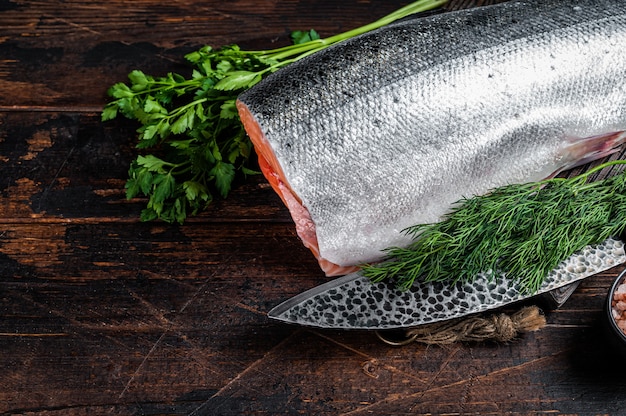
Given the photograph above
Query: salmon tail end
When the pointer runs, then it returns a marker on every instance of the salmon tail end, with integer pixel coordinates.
(579, 151)
(271, 169)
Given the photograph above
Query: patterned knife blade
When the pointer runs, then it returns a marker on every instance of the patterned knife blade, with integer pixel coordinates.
(353, 302)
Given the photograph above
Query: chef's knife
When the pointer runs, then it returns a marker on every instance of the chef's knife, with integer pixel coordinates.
(354, 302)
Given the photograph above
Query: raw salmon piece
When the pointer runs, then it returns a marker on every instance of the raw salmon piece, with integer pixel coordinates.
(389, 129)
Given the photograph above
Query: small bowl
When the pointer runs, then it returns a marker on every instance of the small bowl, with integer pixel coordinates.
(617, 337)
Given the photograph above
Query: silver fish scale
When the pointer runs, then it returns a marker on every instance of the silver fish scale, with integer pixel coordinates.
(358, 304)
(389, 129)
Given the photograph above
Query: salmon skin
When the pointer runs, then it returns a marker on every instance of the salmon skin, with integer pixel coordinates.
(391, 128)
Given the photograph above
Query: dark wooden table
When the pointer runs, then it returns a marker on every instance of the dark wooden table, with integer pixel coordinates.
(103, 314)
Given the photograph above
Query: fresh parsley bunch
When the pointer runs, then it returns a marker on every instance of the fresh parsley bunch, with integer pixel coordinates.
(193, 122)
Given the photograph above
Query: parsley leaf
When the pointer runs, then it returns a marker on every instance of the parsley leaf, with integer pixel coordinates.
(298, 37)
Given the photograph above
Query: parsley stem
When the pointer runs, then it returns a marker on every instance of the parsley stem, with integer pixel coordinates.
(305, 49)
(186, 107)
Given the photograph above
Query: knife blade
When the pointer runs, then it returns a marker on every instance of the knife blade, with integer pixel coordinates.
(354, 302)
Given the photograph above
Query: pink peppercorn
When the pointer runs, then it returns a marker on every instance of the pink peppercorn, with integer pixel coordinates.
(618, 306)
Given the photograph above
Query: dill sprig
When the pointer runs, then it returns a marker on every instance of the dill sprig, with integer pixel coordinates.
(523, 230)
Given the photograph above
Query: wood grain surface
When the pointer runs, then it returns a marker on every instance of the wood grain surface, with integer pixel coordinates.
(103, 314)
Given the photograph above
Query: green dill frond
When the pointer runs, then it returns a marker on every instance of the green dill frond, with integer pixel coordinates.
(523, 230)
